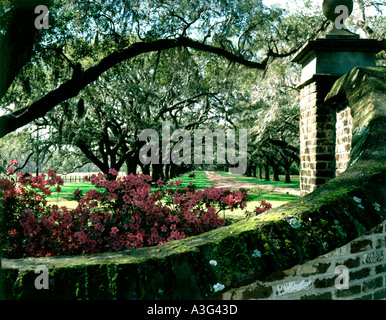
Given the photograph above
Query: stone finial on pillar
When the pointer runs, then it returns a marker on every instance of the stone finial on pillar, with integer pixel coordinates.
(338, 11)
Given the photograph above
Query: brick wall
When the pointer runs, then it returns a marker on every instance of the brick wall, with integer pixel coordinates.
(344, 123)
(354, 271)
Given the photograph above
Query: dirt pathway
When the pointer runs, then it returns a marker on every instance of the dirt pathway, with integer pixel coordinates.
(224, 182)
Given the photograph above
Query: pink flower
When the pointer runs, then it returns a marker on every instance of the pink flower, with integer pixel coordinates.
(76, 192)
(126, 198)
(59, 181)
(11, 171)
(113, 171)
(117, 245)
(47, 191)
(13, 163)
(82, 237)
(260, 210)
(114, 231)
(160, 183)
(51, 173)
(92, 194)
(98, 227)
(212, 210)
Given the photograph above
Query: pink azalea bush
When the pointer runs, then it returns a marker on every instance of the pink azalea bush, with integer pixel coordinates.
(121, 213)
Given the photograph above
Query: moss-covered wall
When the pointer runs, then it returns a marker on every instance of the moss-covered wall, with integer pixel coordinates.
(203, 267)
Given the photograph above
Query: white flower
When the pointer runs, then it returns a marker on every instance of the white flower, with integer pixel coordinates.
(358, 200)
(213, 263)
(218, 287)
(294, 223)
(256, 254)
(377, 207)
(360, 206)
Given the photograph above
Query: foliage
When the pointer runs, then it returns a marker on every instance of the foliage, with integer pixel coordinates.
(120, 213)
(87, 38)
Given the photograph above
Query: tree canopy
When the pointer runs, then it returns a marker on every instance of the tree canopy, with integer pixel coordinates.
(105, 70)
(87, 38)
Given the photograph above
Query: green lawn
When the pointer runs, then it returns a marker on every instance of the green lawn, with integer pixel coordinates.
(68, 189)
(65, 197)
(237, 177)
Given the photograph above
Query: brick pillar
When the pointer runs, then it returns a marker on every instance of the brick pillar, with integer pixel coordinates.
(323, 62)
(317, 134)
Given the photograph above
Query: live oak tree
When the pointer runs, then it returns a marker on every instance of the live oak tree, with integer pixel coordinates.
(269, 108)
(106, 121)
(87, 38)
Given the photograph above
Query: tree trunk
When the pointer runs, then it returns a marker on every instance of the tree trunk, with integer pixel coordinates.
(157, 172)
(260, 172)
(275, 167)
(253, 171)
(146, 169)
(267, 171)
(167, 171)
(173, 171)
(248, 173)
(131, 164)
(287, 174)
